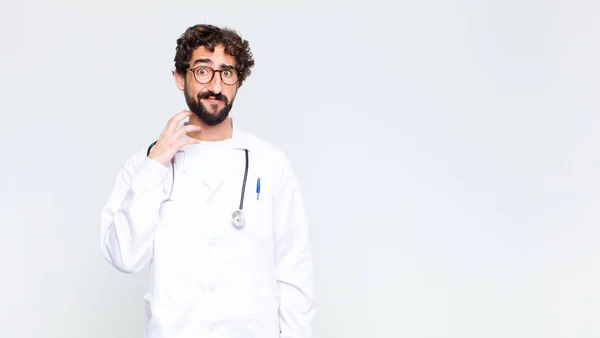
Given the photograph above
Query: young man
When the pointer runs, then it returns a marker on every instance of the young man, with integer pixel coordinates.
(215, 212)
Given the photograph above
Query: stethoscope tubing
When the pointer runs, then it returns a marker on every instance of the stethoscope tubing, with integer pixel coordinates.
(242, 195)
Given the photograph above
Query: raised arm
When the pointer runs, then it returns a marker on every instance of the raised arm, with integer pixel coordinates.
(130, 217)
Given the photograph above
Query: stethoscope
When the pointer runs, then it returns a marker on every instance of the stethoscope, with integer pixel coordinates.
(237, 217)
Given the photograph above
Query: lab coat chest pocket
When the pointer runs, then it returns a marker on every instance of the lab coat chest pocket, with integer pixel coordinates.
(259, 217)
(258, 259)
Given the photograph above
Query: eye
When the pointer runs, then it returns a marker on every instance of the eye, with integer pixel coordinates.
(202, 71)
(228, 73)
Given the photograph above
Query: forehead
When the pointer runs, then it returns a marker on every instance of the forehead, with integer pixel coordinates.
(215, 59)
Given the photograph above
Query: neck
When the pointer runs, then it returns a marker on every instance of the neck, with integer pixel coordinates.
(220, 132)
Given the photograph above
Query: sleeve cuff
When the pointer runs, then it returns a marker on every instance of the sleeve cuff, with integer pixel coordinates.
(149, 174)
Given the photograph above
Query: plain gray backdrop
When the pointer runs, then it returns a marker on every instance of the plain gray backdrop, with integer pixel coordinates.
(448, 152)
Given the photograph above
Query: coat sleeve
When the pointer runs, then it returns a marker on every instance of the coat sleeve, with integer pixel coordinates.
(130, 216)
(293, 261)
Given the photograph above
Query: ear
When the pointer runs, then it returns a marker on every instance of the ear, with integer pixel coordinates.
(179, 80)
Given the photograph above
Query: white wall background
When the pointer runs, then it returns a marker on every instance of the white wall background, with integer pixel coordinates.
(448, 153)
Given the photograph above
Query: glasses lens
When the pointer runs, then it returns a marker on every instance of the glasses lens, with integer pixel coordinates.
(229, 76)
(203, 74)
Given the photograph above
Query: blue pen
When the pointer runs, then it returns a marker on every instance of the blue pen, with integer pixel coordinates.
(258, 188)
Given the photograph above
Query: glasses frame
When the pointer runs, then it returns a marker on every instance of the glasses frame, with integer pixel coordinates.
(214, 71)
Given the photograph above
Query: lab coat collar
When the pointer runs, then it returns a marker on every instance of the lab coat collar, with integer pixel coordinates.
(240, 139)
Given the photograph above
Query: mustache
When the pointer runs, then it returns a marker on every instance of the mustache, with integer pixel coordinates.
(209, 94)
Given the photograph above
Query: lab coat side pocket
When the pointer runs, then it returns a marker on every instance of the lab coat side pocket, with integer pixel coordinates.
(166, 318)
(264, 319)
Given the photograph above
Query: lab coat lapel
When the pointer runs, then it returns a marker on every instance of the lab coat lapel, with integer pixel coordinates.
(237, 166)
(234, 166)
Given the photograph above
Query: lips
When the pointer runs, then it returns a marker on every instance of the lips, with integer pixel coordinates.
(212, 99)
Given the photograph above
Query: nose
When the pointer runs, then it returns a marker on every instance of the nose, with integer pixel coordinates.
(215, 84)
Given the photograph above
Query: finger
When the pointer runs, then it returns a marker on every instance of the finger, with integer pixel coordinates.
(186, 129)
(172, 124)
(188, 140)
(176, 120)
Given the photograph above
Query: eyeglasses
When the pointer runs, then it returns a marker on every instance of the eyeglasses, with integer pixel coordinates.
(204, 75)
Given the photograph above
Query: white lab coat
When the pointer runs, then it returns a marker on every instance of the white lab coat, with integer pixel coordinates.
(207, 277)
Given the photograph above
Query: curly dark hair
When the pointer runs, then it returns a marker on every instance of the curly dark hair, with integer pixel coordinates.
(209, 36)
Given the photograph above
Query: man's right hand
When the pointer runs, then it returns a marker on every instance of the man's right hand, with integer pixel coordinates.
(172, 138)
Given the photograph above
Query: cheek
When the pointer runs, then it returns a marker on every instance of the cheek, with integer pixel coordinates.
(230, 93)
(193, 88)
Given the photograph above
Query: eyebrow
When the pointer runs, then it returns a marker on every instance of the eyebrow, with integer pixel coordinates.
(209, 61)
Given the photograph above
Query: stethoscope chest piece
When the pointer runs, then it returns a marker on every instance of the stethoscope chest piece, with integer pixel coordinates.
(238, 218)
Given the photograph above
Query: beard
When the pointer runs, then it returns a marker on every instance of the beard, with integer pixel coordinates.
(210, 118)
